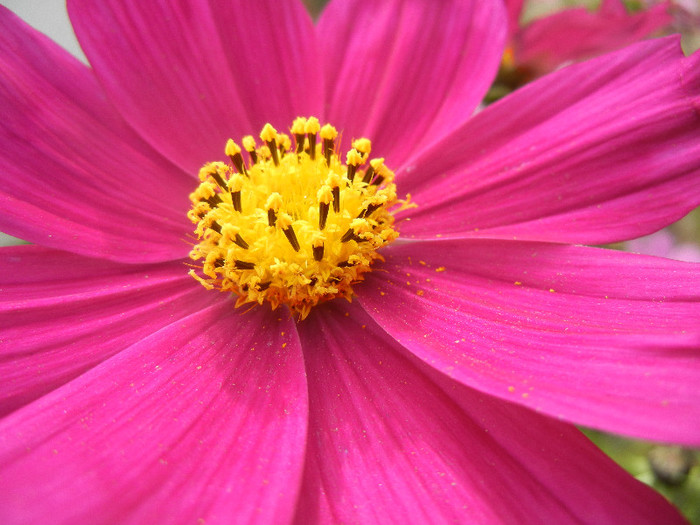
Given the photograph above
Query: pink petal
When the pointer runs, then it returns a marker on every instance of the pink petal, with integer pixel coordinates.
(514, 9)
(64, 314)
(577, 34)
(597, 152)
(596, 337)
(74, 176)
(189, 75)
(388, 439)
(203, 420)
(404, 73)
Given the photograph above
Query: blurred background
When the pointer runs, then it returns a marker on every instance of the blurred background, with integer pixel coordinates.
(672, 470)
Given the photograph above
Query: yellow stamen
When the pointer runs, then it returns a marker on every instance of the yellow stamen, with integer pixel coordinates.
(294, 225)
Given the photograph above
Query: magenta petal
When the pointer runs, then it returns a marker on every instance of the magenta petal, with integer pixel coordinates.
(74, 176)
(514, 8)
(577, 34)
(387, 440)
(404, 73)
(597, 152)
(203, 420)
(190, 75)
(596, 337)
(64, 314)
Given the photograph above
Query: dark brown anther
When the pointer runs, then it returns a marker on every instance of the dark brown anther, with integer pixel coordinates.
(344, 264)
(240, 242)
(336, 199)
(236, 201)
(214, 200)
(322, 214)
(369, 210)
(312, 145)
(300, 138)
(264, 286)
(328, 146)
(351, 172)
(219, 180)
(350, 234)
(253, 157)
(318, 252)
(281, 149)
(377, 180)
(237, 161)
(369, 172)
(292, 238)
(271, 217)
(216, 227)
(272, 145)
(219, 263)
(243, 265)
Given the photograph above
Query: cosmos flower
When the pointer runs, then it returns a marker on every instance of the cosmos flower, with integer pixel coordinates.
(447, 389)
(576, 34)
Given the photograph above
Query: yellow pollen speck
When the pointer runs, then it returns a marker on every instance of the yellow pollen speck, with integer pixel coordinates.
(354, 157)
(328, 132)
(298, 126)
(440, 269)
(289, 223)
(248, 143)
(511, 389)
(517, 283)
(551, 290)
(420, 292)
(312, 125)
(363, 145)
(508, 59)
(268, 133)
(232, 148)
(283, 141)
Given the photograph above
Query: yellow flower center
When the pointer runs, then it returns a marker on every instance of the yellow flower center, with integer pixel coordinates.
(293, 225)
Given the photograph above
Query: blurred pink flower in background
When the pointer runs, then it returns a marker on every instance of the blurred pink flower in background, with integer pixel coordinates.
(664, 244)
(576, 34)
(446, 391)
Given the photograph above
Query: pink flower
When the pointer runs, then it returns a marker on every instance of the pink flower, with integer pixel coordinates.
(664, 244)
(577, 34)
(447, 389)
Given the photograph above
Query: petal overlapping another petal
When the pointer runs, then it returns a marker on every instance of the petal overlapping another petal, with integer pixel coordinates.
(74, 176)
(188, 75)
(407, 72)
(596, 337)
(62, 314)
(598, 152)
(388, 439)
(203, 420)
